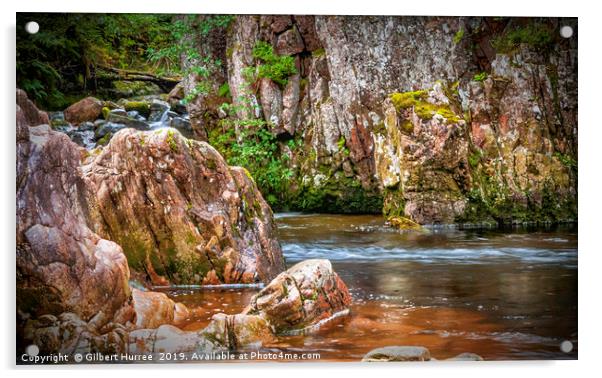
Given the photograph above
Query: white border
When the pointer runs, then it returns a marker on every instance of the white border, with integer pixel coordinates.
(590, 139)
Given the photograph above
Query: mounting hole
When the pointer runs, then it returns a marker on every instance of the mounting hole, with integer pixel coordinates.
(32, 27)
(566, 346)
(566, 31)
(32, 350)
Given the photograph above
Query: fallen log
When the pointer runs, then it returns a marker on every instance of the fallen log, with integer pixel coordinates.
(107, 73)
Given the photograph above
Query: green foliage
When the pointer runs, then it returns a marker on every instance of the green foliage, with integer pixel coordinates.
(186, 32)
(201, 88)
(171, 141)
(480, 76)
(275, 67)
(224, 90)
(474, 158)
(55, 65)
(536, 35)
(566, 160)
(338, 194)
(458, 36)
(248, 143)
(341, 144)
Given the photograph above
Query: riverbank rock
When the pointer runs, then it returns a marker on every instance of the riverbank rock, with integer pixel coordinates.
(69, 334)
(181, 214)
(154, 309)
(33, 116)
(70, 281)
(302, 297)
(62, 265)
(398, 353)
(86, 110)
(164, 339)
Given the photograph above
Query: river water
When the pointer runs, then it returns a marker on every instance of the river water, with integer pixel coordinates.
(501, 294)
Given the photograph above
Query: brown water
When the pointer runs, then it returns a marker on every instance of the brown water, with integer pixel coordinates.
(502, 295)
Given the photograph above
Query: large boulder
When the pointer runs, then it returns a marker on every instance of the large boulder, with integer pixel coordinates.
(62, 265)
(72, 285)
(421, 156)
(302, 298)
(181, 214)
(87, 109)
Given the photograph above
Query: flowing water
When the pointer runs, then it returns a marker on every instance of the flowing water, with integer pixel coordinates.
(500, 294)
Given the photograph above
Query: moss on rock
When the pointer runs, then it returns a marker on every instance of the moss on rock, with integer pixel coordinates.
(141, 107)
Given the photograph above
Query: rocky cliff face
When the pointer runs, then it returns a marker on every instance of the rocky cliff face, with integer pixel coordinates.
(489, 137)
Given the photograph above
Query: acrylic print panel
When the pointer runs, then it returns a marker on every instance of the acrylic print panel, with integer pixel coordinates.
(202, 188)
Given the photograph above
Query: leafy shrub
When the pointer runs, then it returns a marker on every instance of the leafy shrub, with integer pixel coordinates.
(275, 67)
(536, 35)
(480, 76)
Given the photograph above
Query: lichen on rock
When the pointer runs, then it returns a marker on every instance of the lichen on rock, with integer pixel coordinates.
(181, 214)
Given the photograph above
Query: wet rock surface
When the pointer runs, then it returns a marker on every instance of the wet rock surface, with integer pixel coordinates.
(305, 295)
(88, 109)
(411, 353)
(181, 214)
(398, 353)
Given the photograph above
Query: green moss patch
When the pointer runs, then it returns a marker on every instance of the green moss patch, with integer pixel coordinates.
(423, 109)
(140, 106)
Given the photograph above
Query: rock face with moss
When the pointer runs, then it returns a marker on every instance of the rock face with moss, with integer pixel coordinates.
(493, 99)
(421, 157)
(181, 214)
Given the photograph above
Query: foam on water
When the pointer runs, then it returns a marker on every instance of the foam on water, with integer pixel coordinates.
(295, 252)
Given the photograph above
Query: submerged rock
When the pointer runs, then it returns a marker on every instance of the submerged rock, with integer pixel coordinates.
(154, 309)
(181, 214)
(164, 339)
(403, 223)
(87, 109)
(466, 357)
(397, 353)
(237, 332)
(302, 297)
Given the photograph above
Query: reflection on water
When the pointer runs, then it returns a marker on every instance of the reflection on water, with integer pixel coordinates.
(503, 295)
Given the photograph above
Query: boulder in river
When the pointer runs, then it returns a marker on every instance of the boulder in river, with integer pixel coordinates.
(87, 109)
(154, 309)
(181, 214)
(120, 116)
(397, 353)
(236, 332)
(302, 298)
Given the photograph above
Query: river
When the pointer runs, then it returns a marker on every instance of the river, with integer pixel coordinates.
(501, 294)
